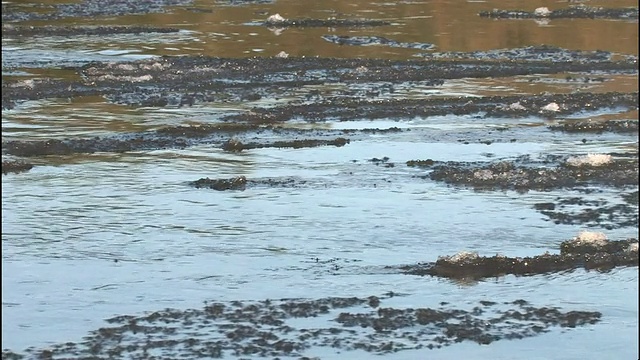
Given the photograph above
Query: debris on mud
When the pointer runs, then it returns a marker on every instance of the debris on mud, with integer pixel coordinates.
(15, 166)
(588, 250)
(278, 21)
(268, 329)
(575, 12)
(374, 40)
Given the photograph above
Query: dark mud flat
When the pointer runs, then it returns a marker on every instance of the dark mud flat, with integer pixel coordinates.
(267, 329)
(588, 250)
(576, 12)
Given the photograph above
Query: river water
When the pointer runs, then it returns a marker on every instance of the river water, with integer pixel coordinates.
(86, 237)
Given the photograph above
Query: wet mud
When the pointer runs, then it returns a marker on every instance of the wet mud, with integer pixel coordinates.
(268, 329)
(331, 89)
(588, 251)
(575, 12)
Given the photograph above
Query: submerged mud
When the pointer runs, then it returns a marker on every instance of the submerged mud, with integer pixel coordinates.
(591, 252)
(268, 329)
(572, 210)
(31, 31)
(575, 12)
(530, 53)
(86, 8)
(374, 40)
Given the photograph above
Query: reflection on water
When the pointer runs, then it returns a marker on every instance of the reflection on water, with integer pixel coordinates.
(86, 237)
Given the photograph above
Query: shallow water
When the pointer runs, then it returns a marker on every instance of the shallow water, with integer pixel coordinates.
(67, 221)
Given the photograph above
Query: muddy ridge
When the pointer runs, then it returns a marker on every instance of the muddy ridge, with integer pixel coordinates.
(572, 172)
(374, 40)
(226, 136)
(597, 127)
(277, 21)
(546, 105)
(576, 12)
(530, 53)
(15, 166)
(186, 80)
(267, 329)
(592, 252)
(241, 183)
